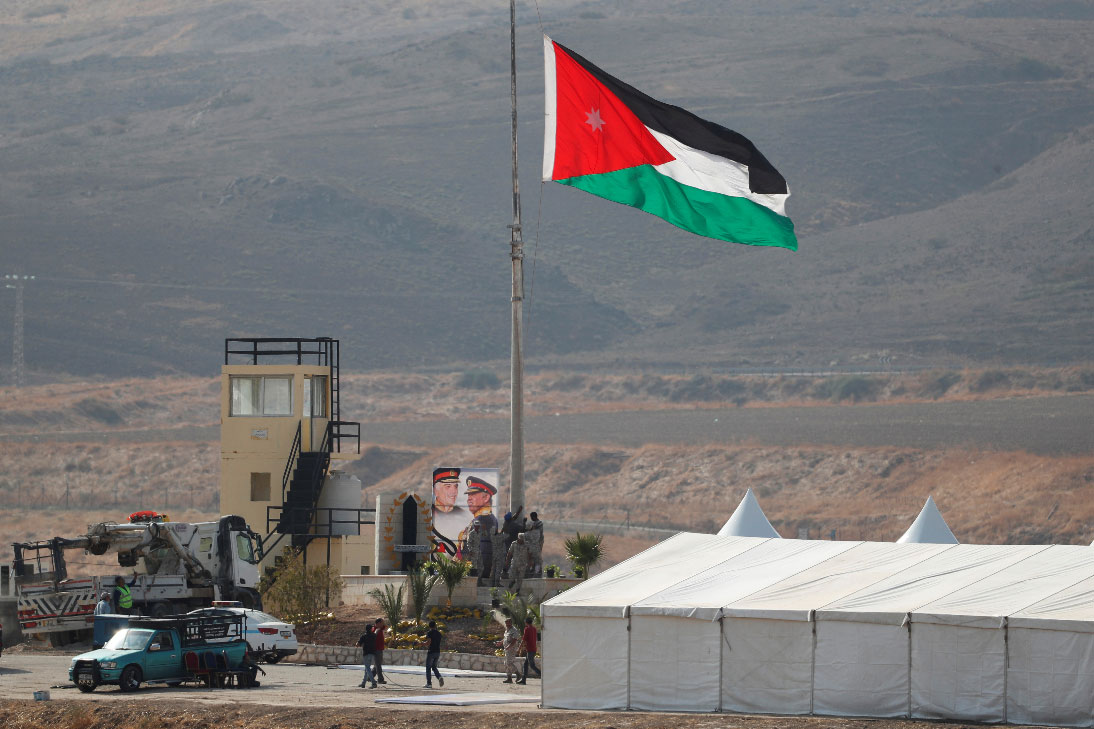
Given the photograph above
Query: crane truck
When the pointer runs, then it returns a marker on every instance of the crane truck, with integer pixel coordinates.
(174, 567)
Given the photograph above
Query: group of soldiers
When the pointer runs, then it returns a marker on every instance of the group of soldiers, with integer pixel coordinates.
(514, 550)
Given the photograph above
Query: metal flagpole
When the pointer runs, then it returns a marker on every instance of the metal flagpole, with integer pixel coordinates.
(516, 254)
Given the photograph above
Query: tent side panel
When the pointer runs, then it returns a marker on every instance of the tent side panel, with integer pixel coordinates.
(1050, 677)
(674, 663)
(861, 669)
(588, 663)
(957, 672)
(766, 665)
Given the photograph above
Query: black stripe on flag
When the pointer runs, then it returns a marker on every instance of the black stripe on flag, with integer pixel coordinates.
(691, 130)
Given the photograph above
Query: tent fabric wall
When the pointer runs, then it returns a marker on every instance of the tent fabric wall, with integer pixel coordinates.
(767, 665)
(589, 663)
(1050, 677)
(963, 632)
(674, 664)
(958, 673)
(861, 669)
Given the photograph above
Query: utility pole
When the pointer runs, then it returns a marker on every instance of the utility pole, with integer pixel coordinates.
(18, 366)
(516, 254)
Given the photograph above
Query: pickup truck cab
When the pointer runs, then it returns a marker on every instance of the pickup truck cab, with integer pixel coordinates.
(154, 650)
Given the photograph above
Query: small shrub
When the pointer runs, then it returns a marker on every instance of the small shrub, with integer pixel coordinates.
(301, 593)
(855, 388)
(938, 384)
(990, 380)
(478, 380)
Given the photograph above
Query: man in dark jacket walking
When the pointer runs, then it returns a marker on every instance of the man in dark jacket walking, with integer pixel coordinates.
(432, 655)
(367, 642)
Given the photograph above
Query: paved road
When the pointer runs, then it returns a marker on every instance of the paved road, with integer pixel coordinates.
(287, 684)
(1047, 425)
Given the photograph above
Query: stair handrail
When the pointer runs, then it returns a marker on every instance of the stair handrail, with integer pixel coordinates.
(294, 453)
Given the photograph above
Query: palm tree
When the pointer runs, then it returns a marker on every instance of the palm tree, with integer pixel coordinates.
(584, 551)
(421, 583)
(451, 572)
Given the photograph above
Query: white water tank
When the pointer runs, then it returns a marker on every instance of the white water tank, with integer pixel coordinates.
(342, 494)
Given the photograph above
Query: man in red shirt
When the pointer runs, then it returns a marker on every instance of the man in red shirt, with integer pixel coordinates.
(381, 628)
(529, 642)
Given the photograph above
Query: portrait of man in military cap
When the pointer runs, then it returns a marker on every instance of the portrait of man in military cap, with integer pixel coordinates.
(480, 502)
(449, 517)
(480, 496)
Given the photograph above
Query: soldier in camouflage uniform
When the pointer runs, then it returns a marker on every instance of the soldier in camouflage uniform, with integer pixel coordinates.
(497, 544)
(518, 562)
(534, 538)
(472, 548)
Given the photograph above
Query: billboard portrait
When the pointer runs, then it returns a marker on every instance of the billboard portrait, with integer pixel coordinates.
(460, 495)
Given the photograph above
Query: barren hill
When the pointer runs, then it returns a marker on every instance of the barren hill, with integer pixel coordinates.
(71, 455)
(174, 173)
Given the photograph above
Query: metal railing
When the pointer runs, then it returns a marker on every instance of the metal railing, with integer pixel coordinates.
(325, 520)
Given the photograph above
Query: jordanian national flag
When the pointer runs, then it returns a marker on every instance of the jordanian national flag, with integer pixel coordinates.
(607, 138)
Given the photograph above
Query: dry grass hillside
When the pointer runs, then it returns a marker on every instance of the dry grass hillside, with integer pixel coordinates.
(49, 487)
(176, 402)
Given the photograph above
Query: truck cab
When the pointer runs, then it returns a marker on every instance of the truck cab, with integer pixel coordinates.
(153, 650)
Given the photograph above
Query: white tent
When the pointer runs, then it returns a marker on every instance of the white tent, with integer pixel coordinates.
(709, 623)
(748, 520)
(929, 527)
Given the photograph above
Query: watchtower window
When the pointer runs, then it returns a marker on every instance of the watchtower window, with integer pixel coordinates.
(318, 396)
(260, 487)
(261, 395)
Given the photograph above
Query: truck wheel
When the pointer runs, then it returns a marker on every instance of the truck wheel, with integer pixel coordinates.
(130, 679)
(249, 599)
(273, 657)
(161, 609)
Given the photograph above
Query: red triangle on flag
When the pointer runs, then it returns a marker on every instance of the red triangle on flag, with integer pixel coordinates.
(595, 132)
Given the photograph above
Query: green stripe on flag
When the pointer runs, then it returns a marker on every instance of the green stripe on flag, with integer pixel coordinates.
(732, 219)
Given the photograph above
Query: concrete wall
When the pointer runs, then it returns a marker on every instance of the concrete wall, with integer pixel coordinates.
(333, 655)
(357, 588)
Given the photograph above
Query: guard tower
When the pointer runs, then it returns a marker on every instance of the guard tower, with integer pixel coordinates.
(281, 440)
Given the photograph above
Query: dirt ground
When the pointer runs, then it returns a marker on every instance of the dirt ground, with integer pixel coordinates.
(180, 714)
(294, 696)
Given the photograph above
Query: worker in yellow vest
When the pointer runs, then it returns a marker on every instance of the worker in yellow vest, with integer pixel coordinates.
(123, 598)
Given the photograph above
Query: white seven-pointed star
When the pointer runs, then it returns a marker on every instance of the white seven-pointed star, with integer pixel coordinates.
(592, 118)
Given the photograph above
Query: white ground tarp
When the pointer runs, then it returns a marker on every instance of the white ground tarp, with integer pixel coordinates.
(708, 623)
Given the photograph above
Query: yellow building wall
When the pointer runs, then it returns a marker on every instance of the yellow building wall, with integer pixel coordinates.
(258, 444)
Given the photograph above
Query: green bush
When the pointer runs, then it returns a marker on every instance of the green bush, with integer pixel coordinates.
(990, 380)
(299, 593)
(855, 388)
(478, 380)
(938, 384)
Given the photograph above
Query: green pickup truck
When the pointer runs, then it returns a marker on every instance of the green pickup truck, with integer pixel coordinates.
(166, 650)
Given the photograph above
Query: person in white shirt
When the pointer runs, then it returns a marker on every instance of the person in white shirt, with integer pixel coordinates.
(104, 607)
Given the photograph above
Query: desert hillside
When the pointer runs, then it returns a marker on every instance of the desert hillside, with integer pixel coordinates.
(136, 444)
(173, 172)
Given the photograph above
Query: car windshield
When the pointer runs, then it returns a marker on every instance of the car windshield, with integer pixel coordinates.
(129, 640)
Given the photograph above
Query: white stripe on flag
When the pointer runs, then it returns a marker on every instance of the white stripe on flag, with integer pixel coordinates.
(705, 171)
(550, 102)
